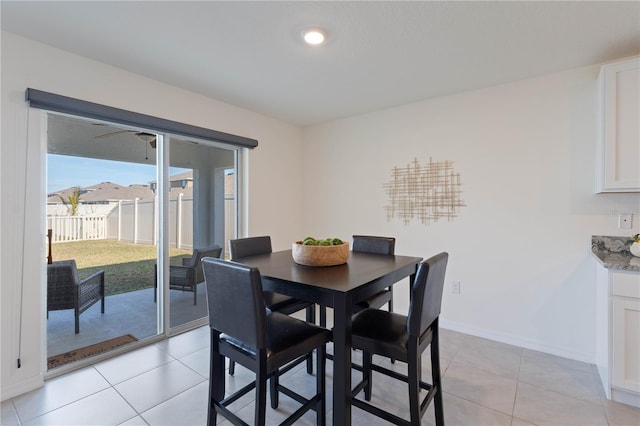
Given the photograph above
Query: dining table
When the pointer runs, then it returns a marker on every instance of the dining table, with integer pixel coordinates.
(338, 287)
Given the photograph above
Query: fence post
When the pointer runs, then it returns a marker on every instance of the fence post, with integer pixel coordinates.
(135, 220)
(179, 221)
(119, 220)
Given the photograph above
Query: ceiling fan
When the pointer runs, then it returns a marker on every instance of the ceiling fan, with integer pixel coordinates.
(150, 138)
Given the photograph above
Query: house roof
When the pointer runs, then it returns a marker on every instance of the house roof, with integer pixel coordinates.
(105, 191)
(378, 54)
(108, 191)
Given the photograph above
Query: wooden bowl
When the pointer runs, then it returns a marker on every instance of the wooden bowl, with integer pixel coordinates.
(320, 255)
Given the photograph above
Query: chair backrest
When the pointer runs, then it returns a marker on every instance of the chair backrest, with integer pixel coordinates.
(372, 244)
(198, 254)
(62, 272)
(244, 247)
(426, 294)
(235, 301)
(62, 282)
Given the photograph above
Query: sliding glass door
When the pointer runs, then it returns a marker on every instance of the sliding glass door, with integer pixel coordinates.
(133, 207)
(201, 220)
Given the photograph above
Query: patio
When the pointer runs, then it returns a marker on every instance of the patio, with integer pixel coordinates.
(126, 313)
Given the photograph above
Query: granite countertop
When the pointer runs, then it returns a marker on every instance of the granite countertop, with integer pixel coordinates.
(613, 253)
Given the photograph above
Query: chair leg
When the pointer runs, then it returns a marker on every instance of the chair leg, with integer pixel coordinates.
(367, 374)
(195, 294)
(311, 319)
(435, 376)
(390, 304)
(232, 368)
(274, 381)
(261, 393)
(321, 382)
(77, 318)
(216, 379)
(323, 316)
(413, 379)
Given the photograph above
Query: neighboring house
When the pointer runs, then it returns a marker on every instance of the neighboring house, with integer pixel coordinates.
(96, 199)
(100, 198)
(181, 183)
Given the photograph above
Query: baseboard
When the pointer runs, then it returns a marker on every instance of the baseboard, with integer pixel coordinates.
(11, 391)
(517, 341)
(625, 397)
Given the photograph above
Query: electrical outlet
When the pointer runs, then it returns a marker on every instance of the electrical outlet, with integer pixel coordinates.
(624, 220)
(455, 287)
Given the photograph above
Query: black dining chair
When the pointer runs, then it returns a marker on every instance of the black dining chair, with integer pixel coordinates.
(266, 342)
(405, 338)
(373, 245)
(252, 246)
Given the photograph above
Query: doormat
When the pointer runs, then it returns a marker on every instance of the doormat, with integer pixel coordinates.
(98, 348)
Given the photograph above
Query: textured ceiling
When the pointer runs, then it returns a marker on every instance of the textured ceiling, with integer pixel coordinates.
(378, 55)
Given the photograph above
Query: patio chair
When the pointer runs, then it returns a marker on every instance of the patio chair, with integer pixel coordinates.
(65, 290)
(187, 276)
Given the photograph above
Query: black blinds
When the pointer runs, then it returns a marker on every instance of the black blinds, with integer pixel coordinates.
(58, 103)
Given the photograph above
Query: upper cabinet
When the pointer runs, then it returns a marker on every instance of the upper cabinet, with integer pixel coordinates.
(618, 168)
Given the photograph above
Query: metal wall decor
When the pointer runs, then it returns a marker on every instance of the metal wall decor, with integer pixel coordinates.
(426, 193)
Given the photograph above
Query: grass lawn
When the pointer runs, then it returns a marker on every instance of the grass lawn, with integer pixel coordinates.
(127, 267)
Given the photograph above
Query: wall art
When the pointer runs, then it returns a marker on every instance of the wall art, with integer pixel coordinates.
(425, 193)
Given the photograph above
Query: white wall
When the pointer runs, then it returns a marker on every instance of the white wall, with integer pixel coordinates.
(521, 246)
(28, 64)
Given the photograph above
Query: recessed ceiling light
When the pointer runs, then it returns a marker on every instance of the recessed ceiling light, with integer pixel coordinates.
(314, 36)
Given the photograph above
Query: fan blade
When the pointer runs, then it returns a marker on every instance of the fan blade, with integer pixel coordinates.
(114, 133)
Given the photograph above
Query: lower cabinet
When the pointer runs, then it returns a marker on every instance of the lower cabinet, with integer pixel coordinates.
(626, 343)
(618, 336)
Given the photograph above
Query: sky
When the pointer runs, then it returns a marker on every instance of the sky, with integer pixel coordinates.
(64, 172)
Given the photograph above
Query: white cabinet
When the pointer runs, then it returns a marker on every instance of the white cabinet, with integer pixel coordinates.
(619, 127)
(618, 334)
(626, 344)
(625, 310)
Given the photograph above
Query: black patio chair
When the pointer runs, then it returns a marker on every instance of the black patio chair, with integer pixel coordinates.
(65, 290)
(187, 276)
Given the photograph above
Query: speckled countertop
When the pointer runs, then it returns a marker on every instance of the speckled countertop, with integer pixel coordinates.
(613, 253)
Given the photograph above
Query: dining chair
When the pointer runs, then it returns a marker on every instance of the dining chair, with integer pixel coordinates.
(405, 338)
(252, 246)
(268, 343)
(373, 245)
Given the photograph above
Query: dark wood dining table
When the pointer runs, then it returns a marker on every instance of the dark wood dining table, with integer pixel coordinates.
(338, 287)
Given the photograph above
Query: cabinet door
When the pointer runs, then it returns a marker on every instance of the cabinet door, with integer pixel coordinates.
(626, 344)
(619, 127)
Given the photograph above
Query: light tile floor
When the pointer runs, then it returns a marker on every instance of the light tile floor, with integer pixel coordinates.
(485, 383)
